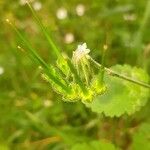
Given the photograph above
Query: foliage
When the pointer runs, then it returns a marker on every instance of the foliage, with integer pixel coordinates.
(122, 96)
(33, 115)
(141, 138)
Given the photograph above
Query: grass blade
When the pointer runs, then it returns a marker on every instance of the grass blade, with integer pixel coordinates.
(47, 68)
(53, 46)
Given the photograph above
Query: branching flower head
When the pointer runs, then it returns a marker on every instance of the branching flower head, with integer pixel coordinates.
(79, 75)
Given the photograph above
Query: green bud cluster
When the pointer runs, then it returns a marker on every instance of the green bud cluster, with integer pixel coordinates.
(80, 78)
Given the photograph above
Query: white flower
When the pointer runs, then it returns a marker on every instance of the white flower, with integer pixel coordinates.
(81, 52)
(61, 13)
(1, 70)
(80, 10)
(69, 38)
(37, 5)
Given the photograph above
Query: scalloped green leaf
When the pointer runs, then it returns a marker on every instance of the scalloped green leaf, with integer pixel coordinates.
(122, 96)
(141, 139)
(94, 145)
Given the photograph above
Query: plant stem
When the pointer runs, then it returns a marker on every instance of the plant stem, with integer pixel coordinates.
(85, 73)
(116, 74)
(139, 36)
(47, 68)
(76, 76)
(44, 31)
(103, 64)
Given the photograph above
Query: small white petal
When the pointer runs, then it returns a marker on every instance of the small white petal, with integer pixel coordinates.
(1, 70)
(87, 51)
(37, 5)
(84, 45)
(61, 13)
(79, 47)
(80, 10)
(80, 52)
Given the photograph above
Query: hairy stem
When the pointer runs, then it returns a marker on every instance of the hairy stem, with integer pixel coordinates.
(116, 74)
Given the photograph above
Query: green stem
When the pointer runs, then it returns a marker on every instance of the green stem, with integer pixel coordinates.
(103, 64)
(116, 74)
(139, 36)
(43, 29)
(47, 68)
(85, 73)
(76, 76)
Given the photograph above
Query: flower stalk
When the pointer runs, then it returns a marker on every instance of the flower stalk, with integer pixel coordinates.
(116, 74)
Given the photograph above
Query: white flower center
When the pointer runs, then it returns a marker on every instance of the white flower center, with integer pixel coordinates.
(80, 52)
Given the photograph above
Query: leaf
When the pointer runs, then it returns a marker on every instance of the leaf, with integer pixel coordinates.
(122, 96)
(94, 145)
(141, 139)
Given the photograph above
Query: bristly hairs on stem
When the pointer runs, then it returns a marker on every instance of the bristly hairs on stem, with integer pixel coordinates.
(116, 74)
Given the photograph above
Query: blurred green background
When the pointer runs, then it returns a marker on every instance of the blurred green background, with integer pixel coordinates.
(32, 115)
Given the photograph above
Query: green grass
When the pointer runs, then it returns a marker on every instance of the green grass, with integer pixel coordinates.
(33, 115)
